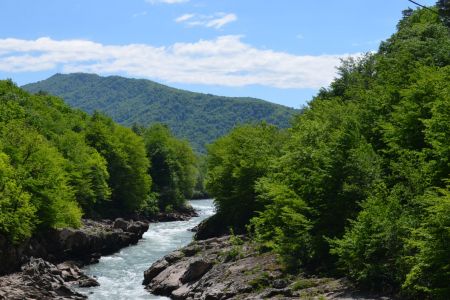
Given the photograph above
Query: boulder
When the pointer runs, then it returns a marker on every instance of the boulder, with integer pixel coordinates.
(154, 270)
(169, 279)
(120, 223)
(182, 292)
(174, 256)
(39, 279)
(137, 228)
(88, 282)
(195, 270)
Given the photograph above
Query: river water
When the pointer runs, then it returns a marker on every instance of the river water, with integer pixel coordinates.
(120, 275)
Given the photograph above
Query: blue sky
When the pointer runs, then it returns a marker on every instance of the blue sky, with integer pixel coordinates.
(278, 50)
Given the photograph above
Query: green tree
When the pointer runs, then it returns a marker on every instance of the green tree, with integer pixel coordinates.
(87, 170)
(327, 169)
(429, 272)
(127, 163)
(173, 167)
(235, 163)
(17, 217)
(41, 172)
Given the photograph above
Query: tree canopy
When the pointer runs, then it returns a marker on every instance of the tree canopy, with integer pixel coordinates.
(196, 117)
(360, 184)
(57, 164)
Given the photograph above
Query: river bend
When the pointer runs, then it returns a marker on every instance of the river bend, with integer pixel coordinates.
(120, 275)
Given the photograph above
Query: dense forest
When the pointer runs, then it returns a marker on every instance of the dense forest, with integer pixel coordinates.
(360, 184)
(58, 164)
(199, 118)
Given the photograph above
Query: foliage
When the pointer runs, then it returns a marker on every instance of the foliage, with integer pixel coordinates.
(429, 274)
(282, 225)
(235, 163)
(173, 166)
(200, 182)
(199, 118)
(40, 171)
(87, 169)
(17, 219)
(359, 186)
(57, 163)
(127, 162)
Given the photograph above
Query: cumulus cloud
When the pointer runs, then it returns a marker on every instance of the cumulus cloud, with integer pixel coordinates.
(217, 20)
(226, 61)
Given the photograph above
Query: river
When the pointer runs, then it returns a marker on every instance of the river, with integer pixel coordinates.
(120, 275)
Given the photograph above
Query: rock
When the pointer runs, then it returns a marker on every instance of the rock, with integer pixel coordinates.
(89, 282)
(217, 292)
(85, 245)
(174, 256)
(190, 250)
(211, 227)
(195, 270)
(39, 279)
(182, 214)
(181, 292)
(154, 270)
(204, 272)
(168, 280)
(138, 228)
(279, 283)
(120, 223)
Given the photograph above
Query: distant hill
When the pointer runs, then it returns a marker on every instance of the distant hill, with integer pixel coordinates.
(200, 118)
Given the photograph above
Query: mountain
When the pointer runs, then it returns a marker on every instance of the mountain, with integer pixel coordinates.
(200, 118)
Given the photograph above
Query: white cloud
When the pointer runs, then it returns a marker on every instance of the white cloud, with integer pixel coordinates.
(184, 17)
(166, 1)
(226, 61)
(217, 20)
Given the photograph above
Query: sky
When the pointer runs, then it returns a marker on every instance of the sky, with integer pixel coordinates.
(282, 51)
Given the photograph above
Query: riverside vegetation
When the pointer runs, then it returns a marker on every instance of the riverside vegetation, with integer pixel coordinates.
(58, 164)
(360, 184)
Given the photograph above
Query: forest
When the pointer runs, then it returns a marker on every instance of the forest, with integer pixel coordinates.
(359, 186)
(199, 118)
(58, 164)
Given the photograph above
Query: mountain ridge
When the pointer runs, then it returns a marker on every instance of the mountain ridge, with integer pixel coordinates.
(198, 117)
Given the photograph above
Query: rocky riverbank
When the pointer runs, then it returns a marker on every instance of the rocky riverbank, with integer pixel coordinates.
(52, 275)
(61, 252)
(43, 280)
(183, 214)
(86, 244)
(230, 268)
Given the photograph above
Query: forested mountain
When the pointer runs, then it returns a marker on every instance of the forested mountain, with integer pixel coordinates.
(200, 118)
(360, 185)
(58, 163)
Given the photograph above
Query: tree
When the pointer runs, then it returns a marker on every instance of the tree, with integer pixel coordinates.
(326, 170)
(125, 155)
(18, 215)
(444, 11)
(173, 167)
(40, 169)
(429, 272)
(235, 163)
(87, 171)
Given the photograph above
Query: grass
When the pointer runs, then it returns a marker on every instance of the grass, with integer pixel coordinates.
(260, 282)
